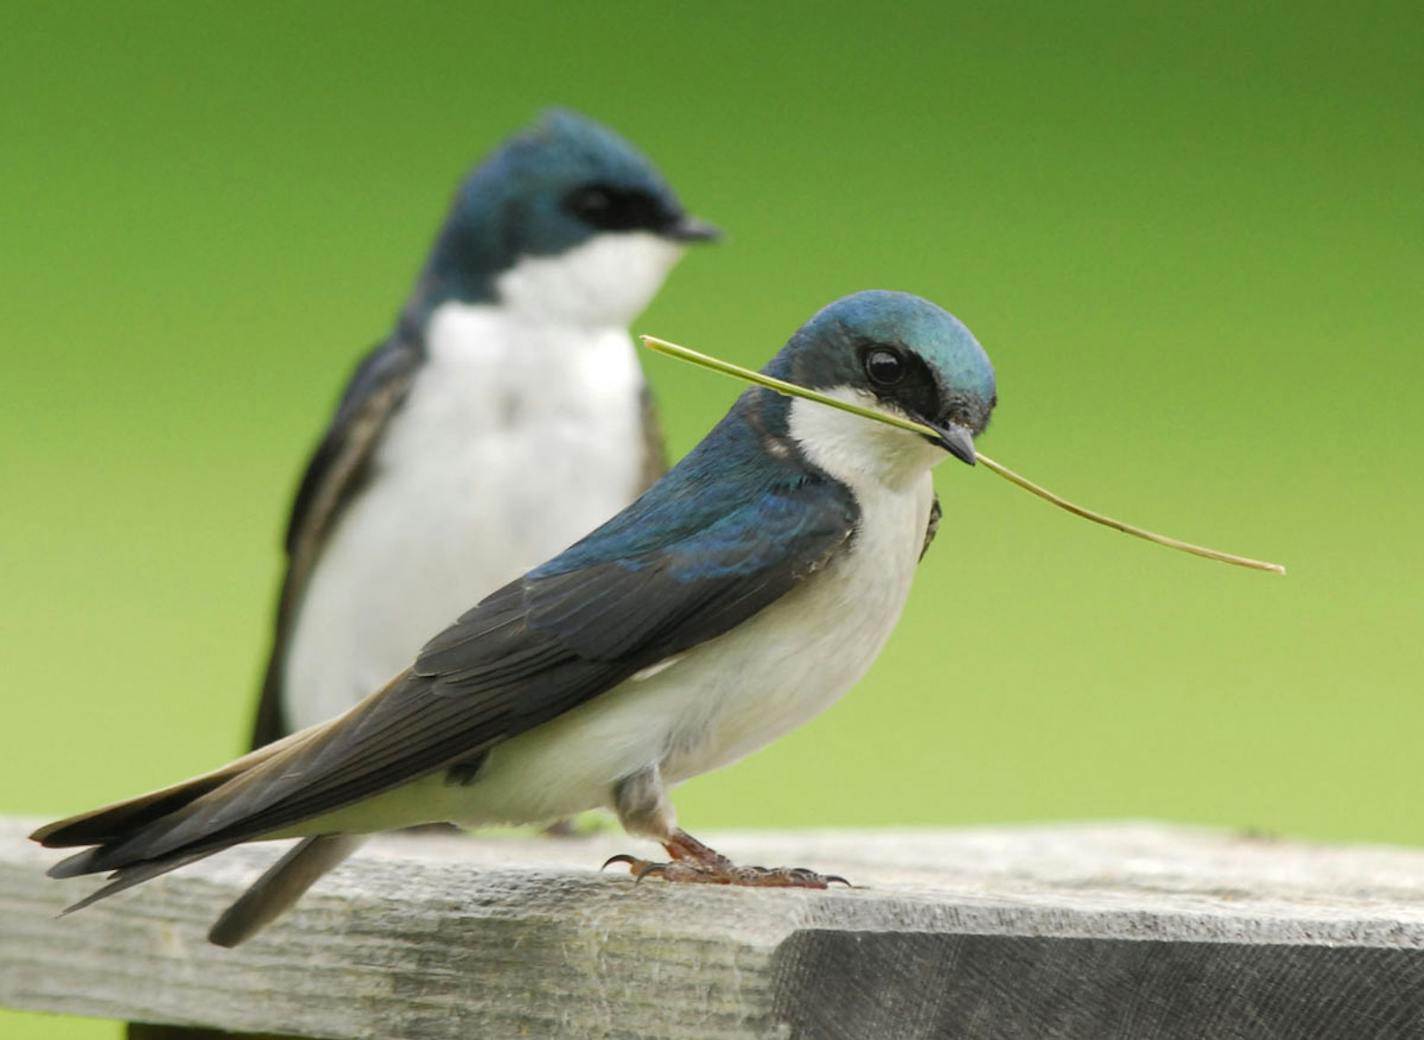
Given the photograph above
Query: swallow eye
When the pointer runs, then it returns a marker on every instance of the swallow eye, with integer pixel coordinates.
(884, 367)
(613, 209)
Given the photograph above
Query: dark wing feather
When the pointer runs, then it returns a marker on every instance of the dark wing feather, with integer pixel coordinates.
(932, 528)
(333, 476)
(538, 647)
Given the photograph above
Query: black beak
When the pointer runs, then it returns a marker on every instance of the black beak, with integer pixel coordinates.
(690, 229)
(955, 439)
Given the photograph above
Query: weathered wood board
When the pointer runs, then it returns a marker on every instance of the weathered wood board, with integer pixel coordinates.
(1138, 931)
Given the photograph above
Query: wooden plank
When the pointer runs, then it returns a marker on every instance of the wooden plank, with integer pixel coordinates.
(1133, 930)
(834, 985)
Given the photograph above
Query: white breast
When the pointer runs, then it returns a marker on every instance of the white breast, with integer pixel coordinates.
(804, 652)
(733, 694)
(521, 433)
(801, 654)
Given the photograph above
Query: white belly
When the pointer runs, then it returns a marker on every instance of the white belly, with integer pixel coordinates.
(514, 442)
(719, 702)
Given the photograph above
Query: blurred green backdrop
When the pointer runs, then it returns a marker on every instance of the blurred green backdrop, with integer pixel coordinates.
(1190, 236)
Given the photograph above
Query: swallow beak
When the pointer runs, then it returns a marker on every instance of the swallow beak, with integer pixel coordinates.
(690, 229)
(955, 439)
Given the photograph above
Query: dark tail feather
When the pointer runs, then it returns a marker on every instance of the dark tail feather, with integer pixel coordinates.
(113, 830)
(116, 823)
(127, 877)
(280, 887)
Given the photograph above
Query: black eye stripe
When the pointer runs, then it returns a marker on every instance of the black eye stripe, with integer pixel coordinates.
(611, 208)
(901, 378)
(590, 200)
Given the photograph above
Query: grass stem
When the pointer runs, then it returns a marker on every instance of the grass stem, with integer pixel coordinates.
(746, 375)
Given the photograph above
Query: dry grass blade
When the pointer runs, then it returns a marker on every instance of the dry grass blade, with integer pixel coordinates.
(746, 375)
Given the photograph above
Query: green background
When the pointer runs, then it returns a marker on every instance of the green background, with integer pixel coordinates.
(1190, 236)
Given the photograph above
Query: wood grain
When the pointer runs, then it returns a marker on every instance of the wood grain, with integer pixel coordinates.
(1138, 931)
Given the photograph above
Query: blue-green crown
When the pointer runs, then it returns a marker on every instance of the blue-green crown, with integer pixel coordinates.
(827, 350)
(514, 203)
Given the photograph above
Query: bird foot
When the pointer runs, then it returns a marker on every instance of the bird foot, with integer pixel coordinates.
(694, 863)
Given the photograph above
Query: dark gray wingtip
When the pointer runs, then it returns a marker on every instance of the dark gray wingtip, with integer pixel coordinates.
(125, 877)
(89, 900)
(75, 865)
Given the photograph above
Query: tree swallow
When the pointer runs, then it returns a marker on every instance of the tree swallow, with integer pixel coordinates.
(738, 597)
(504, 417)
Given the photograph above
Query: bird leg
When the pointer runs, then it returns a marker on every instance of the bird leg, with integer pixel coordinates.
(692, 862)
(640, 800)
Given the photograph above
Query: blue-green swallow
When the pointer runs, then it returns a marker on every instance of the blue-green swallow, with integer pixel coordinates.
(503, 417)
(739, 597)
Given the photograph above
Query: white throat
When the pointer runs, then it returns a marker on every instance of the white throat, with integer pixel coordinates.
(605, 282)
(860, 453)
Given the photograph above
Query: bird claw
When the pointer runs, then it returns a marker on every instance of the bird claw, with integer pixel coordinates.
(723, 871)
(639, 868)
